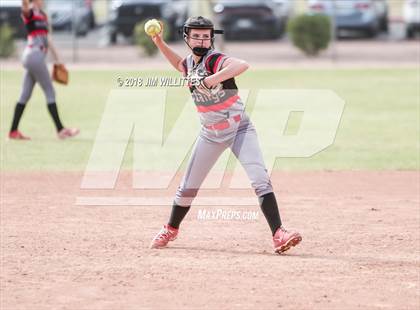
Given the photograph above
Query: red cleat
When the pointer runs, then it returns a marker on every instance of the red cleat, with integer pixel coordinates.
(17, 135)
(68, 133)
(284, 240)
(166, 234)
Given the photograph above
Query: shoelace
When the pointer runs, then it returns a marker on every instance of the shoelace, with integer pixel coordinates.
(284, 232)
(164, 234)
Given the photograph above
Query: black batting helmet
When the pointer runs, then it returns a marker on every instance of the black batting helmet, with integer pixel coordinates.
(200, 22)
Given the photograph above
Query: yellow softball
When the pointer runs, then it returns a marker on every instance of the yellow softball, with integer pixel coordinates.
(152, 27)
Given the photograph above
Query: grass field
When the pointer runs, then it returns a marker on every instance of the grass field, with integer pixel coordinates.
(379, 129)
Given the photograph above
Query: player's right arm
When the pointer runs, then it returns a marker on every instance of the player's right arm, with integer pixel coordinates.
(25, 7)
(169, 53)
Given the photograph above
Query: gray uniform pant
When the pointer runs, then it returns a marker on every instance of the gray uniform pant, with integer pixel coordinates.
(36, 71)
(242, 139)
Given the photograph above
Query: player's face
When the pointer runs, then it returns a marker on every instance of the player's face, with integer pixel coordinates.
(200, 38)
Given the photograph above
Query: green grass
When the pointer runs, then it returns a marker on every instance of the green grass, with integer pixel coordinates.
(379, 129)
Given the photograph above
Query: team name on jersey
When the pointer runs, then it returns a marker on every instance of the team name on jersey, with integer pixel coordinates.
(222, 95)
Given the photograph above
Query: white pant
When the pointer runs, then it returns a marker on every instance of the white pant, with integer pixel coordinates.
(242, 139)
(36, 71)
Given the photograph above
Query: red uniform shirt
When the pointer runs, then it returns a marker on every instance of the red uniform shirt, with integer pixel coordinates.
(36, 22)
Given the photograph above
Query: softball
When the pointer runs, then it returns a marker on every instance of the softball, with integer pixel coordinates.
(152, 27)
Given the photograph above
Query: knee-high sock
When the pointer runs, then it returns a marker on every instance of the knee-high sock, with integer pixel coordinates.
(20, 107)
(177, 215)
(52, 108)
(268, 204)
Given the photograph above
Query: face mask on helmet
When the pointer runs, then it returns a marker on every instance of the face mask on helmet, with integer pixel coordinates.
(200, 50)
(200, 23)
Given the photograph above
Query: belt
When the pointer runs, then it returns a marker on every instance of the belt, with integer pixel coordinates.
(41, 47)
(224, 124)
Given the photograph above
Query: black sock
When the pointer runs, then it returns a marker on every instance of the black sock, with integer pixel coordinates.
(177, 215)
(270, 209)
(52, 107)
(17, 115)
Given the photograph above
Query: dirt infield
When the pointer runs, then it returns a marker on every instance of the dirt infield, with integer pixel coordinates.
(360, 248)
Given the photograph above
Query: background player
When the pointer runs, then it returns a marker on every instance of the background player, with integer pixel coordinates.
(38, 44)
(224, 125)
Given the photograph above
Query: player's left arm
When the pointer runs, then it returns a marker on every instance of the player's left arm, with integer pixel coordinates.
(230, 68)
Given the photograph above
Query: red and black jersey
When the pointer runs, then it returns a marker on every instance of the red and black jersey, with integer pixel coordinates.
(36, 22)
(214, 63)
(223, 99)
(223, 95)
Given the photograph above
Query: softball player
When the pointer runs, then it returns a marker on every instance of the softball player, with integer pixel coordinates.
(38, 44)
(224, 125)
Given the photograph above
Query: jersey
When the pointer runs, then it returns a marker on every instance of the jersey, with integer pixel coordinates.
(224, 101)
(36, 24)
